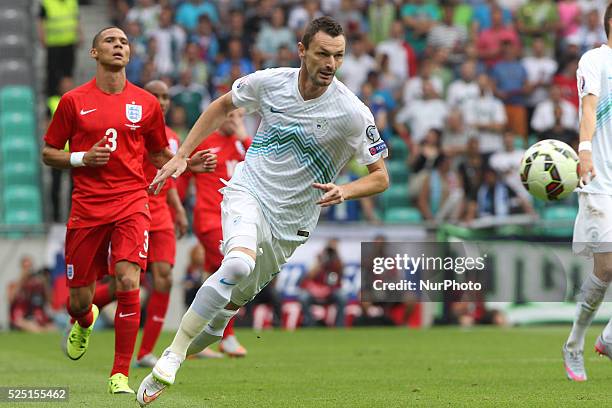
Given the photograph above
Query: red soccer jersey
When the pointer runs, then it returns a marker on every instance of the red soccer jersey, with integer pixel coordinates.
(131, 121)
(230, 151)
(161, 217)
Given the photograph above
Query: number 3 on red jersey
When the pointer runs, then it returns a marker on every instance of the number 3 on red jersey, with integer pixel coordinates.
(112, 141)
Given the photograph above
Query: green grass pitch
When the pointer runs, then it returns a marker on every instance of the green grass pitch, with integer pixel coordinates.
(446, 367)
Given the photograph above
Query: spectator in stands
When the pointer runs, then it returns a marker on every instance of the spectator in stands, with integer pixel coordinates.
(441, 67)
(357, 63)
(189, 12)
(170, 39)
(272, 36)
(286, 58)
(559, 131)
(413, 89)
(422, 115)
(402, 59)
(489, 43)
(486, 116)
(538, 18)
(544, 117)
(146, 14)
(441, 196)
(471, 172)
(350, 18)
(29, 300)
(388, 79)
(178, 121)
(540, 70)
(381, 15)
(570, 18)
(235, 29)
(483, 15)
(323, 284)
(455, 135)
(508, 162)
(193, 97)
(233, 55)
(590, 35)
(192, 60)
(510, 80)
(424, 155)
(567, 82)
(419, 17)
(206, 38)
(496, 199)
(256, 16)
(447, 34)
(301, 14)
(59, 31)
(464, 88)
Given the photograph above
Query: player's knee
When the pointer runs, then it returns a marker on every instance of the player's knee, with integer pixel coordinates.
(162, 277)
(127, 276)
(236, 266)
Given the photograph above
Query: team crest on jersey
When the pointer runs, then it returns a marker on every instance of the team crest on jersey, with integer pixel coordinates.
(372, 134)
(133, 112)
(321, 126)
(70, 271)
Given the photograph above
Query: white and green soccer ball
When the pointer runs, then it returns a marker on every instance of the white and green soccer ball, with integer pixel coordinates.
(549, 170)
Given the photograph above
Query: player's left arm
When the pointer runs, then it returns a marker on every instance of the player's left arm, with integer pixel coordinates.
(376, 181)
(174, 201)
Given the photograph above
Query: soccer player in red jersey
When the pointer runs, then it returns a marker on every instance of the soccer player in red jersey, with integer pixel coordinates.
(229, 143)
(109, 123)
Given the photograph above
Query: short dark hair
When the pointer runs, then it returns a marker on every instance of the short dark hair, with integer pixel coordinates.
(94, 42)
(607, 17)
(326, 24)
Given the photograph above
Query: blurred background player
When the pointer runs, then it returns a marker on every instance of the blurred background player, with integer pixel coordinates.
(230, 143)
(593, 228)
(311, 127)
(108, 122)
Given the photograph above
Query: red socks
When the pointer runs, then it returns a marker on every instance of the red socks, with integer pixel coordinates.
(127, 320)
(156, 312)
(229, 329)
(85, 318)
(102, 295)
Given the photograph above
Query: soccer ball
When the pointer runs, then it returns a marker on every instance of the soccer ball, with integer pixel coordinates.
(549, 170)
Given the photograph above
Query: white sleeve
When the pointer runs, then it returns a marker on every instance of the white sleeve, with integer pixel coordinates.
(245, 91)
(370, 146)
(589, 75)
(500, 112)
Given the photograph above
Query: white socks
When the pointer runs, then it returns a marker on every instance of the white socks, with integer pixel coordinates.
(211, 299)
(212, 332)
(592, 293)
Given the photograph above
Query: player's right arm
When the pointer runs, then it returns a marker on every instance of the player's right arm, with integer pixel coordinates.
(589, 87)
(59, 132)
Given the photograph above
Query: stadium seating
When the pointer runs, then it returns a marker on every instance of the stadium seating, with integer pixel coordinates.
(19, 174)
(16, 99)
(14, 46)
(398, 171)
(398, 151)
(21, 197)
(404, 215)
(563, 217)
(13, 21)
(395, 196)
(15, 72)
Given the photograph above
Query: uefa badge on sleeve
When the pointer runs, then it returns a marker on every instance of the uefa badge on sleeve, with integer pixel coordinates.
(372, 134)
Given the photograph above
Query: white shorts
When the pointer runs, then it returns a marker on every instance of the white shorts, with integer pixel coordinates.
(593, 227)
(244, 225)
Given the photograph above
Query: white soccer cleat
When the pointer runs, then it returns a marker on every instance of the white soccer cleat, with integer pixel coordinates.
(150, 389)
(573, 361)
(146, 361)
(232, 347)
(167, 366)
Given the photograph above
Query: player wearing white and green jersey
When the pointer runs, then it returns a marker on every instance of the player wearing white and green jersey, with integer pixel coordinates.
(593, 226)
(311, 126)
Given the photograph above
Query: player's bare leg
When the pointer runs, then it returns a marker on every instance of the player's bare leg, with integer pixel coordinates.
(211, 300)
(592, 293)
(156, 312)
(127, 320)
(84, 315)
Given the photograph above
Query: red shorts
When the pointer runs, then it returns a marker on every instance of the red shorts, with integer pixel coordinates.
(211, 241)
(87, 249)
(162, 246)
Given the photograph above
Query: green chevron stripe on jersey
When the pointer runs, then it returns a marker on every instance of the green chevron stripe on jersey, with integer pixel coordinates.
(282, 140)
(604, 111)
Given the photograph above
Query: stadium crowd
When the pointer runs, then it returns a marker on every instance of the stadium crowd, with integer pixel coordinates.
(463, 85)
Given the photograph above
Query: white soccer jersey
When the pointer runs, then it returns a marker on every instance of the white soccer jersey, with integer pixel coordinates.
(299, 143)
(595, 77)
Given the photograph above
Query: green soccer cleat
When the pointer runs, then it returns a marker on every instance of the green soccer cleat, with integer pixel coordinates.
(77, 339)
(118, 384)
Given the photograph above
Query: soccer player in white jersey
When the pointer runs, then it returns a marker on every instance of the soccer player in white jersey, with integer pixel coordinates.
(593, 228)
(311, 126)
